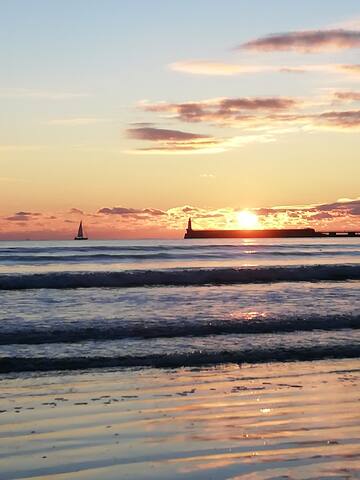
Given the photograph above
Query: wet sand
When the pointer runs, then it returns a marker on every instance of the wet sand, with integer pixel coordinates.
(270, 421)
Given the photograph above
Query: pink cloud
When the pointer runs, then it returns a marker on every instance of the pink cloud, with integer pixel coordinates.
(217, 68)
(171, 141)
(347, 96)
(344, 120)
(271, 114)
(160, 134)
(131, 211)
(308, 41)
(23, 216)
(207, 67)
(352, 69)
(149, 222)
(222, 110)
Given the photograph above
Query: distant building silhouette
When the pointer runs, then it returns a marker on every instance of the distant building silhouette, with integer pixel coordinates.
(265, 233)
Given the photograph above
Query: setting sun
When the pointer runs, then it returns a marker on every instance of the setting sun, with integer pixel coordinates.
(247, 220)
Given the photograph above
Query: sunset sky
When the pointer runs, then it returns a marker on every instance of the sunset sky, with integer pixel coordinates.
(135, 114)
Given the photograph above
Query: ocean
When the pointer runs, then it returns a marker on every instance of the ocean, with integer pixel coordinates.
(100, 304)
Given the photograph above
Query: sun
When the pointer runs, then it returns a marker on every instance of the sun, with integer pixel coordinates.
(247, 220)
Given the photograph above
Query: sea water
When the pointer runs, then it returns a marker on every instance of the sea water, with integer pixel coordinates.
(98, 304)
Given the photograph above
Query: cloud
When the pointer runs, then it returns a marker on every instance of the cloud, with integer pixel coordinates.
(211, 68)
(347, 96)
(183, 148)
(28, 214)
(329, 120)
(131, 222)
(204, 67)
(344, 120)
(23, 216)
(174, 141)
(76, 211)
(348, 207)
(349, 69)
(182, 143)
(269, 115)
(308, 41)
(141, 124)
(221, 110)
(339, 215)
(123, 211)
(160, 134)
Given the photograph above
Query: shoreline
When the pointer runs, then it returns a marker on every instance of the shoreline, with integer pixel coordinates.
(13, 365)
(255, 421)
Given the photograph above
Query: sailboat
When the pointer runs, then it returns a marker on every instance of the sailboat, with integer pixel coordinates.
(80, 234)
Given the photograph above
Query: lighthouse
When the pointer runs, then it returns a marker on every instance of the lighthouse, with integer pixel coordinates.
(189, 229)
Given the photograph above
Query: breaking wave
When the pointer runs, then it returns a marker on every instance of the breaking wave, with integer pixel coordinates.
(179, 277)
(176, 360)
(129, 257)
(108, 331)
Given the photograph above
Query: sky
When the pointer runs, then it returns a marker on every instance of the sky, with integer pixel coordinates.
(133, 115)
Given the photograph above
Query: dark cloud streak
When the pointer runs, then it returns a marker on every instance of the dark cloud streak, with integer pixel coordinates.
(161, 134)
(308, 41)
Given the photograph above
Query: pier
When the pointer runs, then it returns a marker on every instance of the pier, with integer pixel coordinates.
(340, 233)
(269, 233)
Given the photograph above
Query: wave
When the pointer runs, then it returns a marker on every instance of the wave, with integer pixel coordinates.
(194, 255)
(103, 332)
(199, 244)
(179, 277)
(176, 360)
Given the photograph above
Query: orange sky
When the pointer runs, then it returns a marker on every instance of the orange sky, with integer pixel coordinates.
(117, 114)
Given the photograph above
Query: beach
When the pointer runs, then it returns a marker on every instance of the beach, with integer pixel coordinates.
(171, 359)
(277, 420)
(180, 240)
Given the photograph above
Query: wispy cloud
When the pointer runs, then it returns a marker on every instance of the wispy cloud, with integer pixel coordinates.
(308, 41)
(345, 213)
(221, 110)
(268, 114)
(347, 96)
(349, 69)
(131, 212)
(76, 211)
(212, 68)
(162, 135)
(23, 216)
(343, 120)
(167, 140)
(207, 67)
(178, 142)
